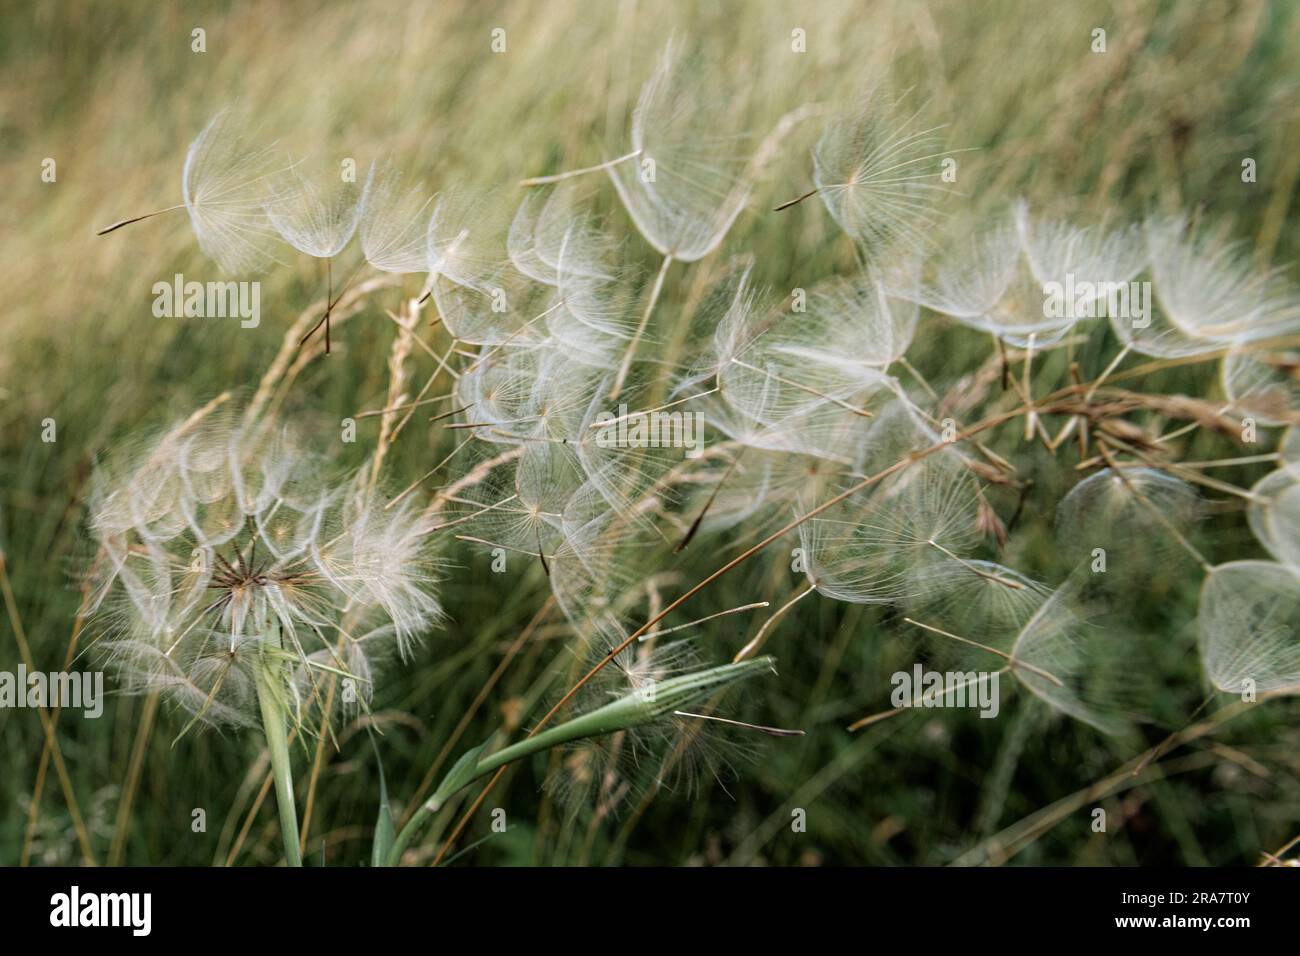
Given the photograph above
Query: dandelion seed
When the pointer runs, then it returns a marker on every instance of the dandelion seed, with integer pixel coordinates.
(689, 184)
(852, 330)
(224, 186)
(465, 241)
(394, 221)
(868, 548)
(1249, 626)
(316, 217)
(548, 227)
(805, 395)
(593, 318)
(1274, 514)
(877, 173)
(1263, 387)
(260, 551)
(1055, 641)
(509, 310)
(975, 597)
(1092, 259)
(1130, 517)
(1210, 292)
(985, 283)
(685, 129)
(869, 320)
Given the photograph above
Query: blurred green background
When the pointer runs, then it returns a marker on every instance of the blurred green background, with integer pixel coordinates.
(113, 93)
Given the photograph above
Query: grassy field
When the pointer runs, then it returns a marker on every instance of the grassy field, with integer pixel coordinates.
(113, 93)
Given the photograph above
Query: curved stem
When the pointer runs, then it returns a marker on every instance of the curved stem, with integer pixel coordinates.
(650, 701)
(752, 647)
(604, 720)
(559, 177)
(270, 697)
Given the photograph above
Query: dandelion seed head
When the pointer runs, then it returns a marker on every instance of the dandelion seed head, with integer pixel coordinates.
(258, 554)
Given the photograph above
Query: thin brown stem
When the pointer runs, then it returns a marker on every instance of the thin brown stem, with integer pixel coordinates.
(798, 199)
(126, 222)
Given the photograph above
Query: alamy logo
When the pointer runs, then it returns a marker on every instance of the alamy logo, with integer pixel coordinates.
(103, 909)
(1083, 299)
(655, 429)
(208, 300)
(922, 688)
(67, 691)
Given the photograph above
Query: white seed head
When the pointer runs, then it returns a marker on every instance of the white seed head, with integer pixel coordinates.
(217, 545)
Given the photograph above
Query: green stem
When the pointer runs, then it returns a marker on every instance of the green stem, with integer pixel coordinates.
(270, 691)
(561, 734)
(639, 707)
